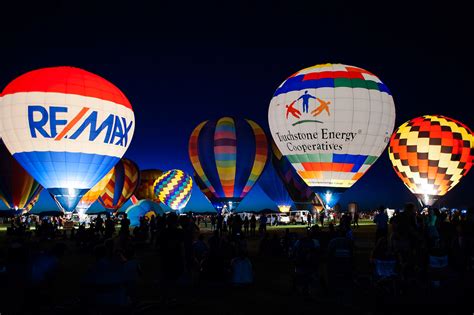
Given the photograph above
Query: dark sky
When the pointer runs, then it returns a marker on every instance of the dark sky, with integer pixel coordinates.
(180, 63)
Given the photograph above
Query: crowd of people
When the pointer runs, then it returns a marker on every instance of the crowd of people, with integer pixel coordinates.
(412, 249)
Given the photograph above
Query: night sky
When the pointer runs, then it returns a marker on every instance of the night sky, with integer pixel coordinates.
(182, 63)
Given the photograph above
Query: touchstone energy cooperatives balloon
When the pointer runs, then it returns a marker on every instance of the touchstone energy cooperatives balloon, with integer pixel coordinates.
(174, 189)
(431, 154)
(332, 122)
(67, 127)
(121, 186)
(228, 155)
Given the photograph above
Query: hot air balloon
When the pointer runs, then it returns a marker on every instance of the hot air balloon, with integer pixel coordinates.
(121, 185)
(228, 155)
(302, 196)
(331, 122)
(31, 204)
(147, 181)
(431, 154)
(67, 127)
(174, 189)
(273, 187)
(93, 194)
(17, 187)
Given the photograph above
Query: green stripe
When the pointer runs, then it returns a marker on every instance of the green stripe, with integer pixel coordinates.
(356, 83)
(370, 160)
(226, 164)
(323, 157)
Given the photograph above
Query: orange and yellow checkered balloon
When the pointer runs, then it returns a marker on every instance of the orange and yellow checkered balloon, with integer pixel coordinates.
(431, 154)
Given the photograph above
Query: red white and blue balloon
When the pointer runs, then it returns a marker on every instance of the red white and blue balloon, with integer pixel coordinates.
(67, 127)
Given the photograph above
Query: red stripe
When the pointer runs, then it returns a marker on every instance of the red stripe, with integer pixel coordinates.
(72, 123)
(332, 75)
(67, 80)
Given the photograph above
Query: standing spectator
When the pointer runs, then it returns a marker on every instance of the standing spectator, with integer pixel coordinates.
(253, 225)
(309, 219)
(381, 220)
(262, 228)
(321, 218)
(356, 219)
(125, 225)
(246, 225)
(213, 222)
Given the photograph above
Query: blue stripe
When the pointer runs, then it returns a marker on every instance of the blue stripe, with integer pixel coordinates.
(297, 83)
(66, 169)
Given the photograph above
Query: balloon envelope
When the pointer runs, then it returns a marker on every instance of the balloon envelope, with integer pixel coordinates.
(431, 154)
(121, 186)
(174, 189)
(228, 155)
(145, 188)
(143, 208)
(67, 127)
(331, 122)
(271, 184)
(303, 197)
(17, 187)
(93, 194)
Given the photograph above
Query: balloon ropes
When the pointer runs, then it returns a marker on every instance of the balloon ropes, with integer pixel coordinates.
(67, 128)
(332, 122)
(431, 154)
(228, 155)
(17, 187)
(121, 185)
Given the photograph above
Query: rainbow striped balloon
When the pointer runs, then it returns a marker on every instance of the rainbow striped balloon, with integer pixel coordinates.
(228, 155)
(174, 188)
(121, 186)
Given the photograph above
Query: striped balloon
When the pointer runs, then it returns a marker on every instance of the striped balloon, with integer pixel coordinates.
(228, 155)
(93, 194)
(17, 187)
(121, 185)
(32, 203)
(174, 189)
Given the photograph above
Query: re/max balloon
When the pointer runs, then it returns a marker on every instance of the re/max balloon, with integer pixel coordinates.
(121, 185)
(332, 122)
(431, 154)
(228, 155)
(67, 127)
(17, 187)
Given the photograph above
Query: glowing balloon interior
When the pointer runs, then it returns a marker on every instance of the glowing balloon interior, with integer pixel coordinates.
(431, 154)
(67, 127)
(332, 122)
